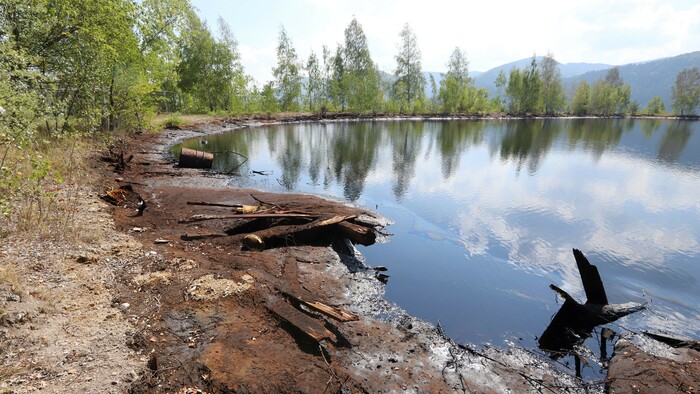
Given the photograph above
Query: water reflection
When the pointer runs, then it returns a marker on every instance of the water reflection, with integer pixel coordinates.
(346, 153)
(674, 140)
(487, 211)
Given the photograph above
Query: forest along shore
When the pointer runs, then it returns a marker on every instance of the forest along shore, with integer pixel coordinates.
(174, 298)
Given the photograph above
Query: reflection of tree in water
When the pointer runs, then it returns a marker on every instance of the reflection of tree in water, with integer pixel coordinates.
(223, 146)
(674, 141)
(354, 150)
(318, 157)
(597, 135)
(528, 141)
(345, 153)
(290, 159)
(454, 138)
(650, 126)
(405, 140)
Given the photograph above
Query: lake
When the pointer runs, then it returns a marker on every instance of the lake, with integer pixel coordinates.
(486, 212)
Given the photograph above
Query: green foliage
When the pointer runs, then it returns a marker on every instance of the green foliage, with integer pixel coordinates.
(552, 88)
(360, 81)
(686, 91)
(531, 98)
(159, 27)
(609, 96)
(581, 100)
(655, 106)
(268, 102)
(633, 108)
(501, 83)
(336, 82)
(173, 121)
(514, 91)
(434, 95)
(314, 86)
(210, 71)
(409, 86)
(455, 85)
(287, 77)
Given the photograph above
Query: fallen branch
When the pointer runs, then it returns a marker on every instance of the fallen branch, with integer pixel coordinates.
(195, 237)
(214, 204)
(201, 218)
(264, 202)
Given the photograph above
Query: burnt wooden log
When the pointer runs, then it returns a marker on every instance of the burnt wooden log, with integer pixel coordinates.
(574, 322)
(309, 233)
(592, 284)
(357, 234)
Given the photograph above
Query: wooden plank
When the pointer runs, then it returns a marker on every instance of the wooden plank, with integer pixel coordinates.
(335, 312)
(308, 325)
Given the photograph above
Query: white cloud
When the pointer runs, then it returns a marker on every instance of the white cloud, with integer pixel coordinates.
(492, 33)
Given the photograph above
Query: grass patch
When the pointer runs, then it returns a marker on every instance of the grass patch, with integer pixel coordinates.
(172, 120)
(39, 187)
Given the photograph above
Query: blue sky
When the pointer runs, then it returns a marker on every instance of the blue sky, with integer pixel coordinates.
(492, 32)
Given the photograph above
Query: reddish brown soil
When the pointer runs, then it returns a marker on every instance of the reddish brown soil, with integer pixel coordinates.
(202, 323)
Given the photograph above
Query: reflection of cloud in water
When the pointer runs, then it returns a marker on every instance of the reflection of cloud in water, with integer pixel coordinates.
(598, 215)
(620, 191)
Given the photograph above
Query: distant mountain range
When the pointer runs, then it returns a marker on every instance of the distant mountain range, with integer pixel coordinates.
(647, 79)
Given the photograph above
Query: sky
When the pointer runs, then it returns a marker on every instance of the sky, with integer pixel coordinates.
(492, 32)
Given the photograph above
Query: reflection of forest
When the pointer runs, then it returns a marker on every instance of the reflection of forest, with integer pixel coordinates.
(674, 140)
(346, 153)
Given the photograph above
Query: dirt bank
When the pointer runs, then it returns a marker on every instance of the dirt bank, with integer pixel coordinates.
(154, 303)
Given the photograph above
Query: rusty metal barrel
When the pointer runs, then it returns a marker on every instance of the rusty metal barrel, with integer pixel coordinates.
(192, 158)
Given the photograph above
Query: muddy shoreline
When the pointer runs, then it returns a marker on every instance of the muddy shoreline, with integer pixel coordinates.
(387, 350)
(155, 305)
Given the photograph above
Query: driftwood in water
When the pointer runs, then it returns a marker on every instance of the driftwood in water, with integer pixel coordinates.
(291, 235)
(600, 313)
(574, 322)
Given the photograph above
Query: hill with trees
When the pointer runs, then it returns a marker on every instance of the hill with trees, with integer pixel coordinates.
(646, 79)
(487, 79)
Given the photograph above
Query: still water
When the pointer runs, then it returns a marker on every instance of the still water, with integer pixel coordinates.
(486, 213)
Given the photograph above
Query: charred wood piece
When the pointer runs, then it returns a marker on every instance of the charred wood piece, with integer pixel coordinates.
(574, 322)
